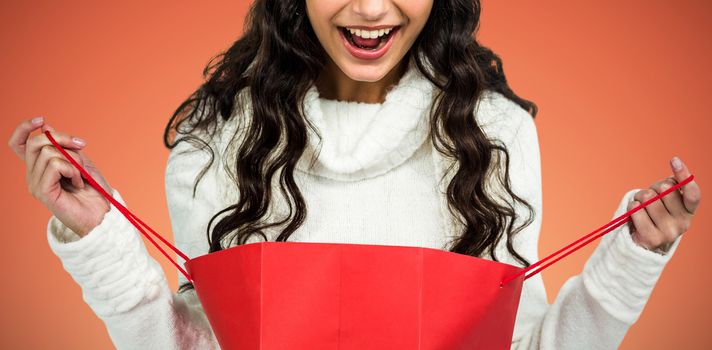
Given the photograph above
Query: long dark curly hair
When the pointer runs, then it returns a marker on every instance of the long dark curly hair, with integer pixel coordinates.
(279, 57)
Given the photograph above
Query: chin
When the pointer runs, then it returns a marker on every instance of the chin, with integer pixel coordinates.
(366, 72)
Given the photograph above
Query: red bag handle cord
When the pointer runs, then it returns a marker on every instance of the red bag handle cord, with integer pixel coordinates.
(128, 214)
(585, 240)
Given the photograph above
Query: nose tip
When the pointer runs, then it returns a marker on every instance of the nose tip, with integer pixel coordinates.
(371, 10)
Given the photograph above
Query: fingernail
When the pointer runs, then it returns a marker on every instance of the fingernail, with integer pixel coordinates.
(37, 120)
(676, 163)
(79, 141)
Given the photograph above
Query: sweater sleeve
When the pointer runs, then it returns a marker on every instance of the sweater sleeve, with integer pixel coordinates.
(595, 309)
(120, 281)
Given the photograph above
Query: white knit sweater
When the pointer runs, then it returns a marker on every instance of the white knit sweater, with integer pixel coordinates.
(374, 182)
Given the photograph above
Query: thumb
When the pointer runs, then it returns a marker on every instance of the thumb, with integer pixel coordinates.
(690, 191)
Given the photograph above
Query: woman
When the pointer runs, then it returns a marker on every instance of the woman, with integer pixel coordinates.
(392, 125)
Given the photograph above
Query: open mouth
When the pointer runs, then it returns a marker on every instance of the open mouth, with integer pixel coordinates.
(368, 40)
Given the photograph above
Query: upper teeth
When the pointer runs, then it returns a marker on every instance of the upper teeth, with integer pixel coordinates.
(370, 34)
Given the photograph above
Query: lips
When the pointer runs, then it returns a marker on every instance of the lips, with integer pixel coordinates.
(365, 47)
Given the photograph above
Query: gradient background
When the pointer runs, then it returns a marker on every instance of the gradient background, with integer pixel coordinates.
(622, 86)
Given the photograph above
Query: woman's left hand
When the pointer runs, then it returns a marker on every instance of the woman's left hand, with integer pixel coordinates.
(659, 224)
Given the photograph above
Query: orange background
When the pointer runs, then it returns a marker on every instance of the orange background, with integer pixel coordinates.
(622, 86)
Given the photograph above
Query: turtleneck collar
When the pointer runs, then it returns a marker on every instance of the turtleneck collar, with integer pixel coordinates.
(399, 127)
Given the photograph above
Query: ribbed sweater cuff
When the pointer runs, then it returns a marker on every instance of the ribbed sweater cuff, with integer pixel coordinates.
(110, 263)
(621, 274)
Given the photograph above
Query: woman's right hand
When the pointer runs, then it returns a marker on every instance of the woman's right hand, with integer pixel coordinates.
(55, 182)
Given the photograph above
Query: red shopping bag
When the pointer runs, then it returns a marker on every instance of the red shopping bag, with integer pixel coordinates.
(298, 295)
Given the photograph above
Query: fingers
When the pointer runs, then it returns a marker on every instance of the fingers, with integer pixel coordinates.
(34, 145)
(644, 227)
(655, 211)
(22, 132)
(54, 171)
(691, 194)
(46, 154)
(673, 200)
